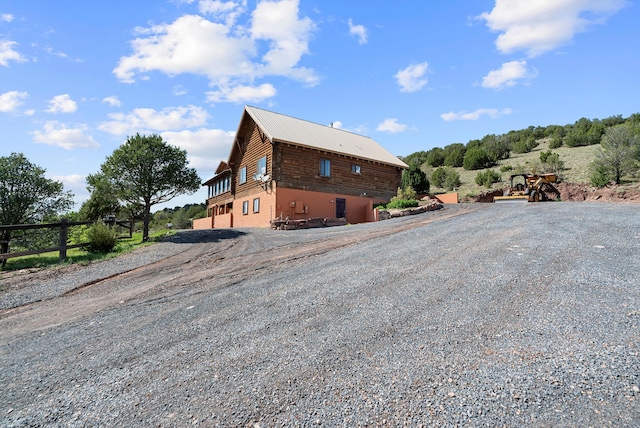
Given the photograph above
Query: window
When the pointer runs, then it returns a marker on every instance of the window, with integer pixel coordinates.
(243, 175)
(245, 207)
(262, 166)
(325, 168)
(355, 169)
(256, 205)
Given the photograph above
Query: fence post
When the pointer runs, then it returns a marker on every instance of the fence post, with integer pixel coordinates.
(64, 232)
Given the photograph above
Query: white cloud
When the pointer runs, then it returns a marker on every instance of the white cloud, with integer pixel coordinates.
(144, 120)
(475, 115)
(412, 78)
(336, 124)
(391, 125)
(241, 94)
(358, 30)
(539, 26)
(8, 54)
(179, 90)
(277, 22)
(6, 17)
(73, 181)
(113, 101)
(59, 134)
(507, 75)
(205, 147)
(227, 11)
(271, 43)
(62, 104)
(9, 101)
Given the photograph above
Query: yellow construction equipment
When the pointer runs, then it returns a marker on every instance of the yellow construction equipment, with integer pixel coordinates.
(529, 188)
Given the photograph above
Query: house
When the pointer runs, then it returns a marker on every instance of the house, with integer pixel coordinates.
(283, 167)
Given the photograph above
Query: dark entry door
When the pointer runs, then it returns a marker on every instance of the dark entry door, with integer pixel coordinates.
(341, 208)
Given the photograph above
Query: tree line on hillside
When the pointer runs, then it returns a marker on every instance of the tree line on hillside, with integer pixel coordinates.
(619, 154)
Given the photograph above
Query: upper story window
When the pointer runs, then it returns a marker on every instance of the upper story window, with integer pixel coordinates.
(325, 168)
(220, 187)
(355, 169)
(243, 175)
(262, 166)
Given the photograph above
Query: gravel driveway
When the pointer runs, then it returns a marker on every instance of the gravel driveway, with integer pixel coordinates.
(474, 315)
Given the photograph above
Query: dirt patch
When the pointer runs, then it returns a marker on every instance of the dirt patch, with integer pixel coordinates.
(577, 192)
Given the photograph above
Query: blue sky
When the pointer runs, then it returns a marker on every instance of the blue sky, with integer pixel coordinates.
(78, 77)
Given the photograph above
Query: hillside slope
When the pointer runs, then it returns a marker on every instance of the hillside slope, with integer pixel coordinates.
(574, 186)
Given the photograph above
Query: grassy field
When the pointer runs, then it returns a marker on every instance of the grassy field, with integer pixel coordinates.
(77, 255)
(576, 162)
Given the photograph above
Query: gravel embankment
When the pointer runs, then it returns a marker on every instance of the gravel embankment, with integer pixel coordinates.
(507, 315)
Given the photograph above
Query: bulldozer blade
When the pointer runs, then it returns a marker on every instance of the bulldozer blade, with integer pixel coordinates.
(510, 199)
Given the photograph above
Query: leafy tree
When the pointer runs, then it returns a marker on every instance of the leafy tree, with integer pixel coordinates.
(146, 171)
(613, 121)
(26, 196)
(438, 176)
(524, 146)
(454, 155)
(452, 179)
(477, 158)
(103, 200)
(435, 157)
(446, 178)
(415, 159)
(415, 178)
(619, 153)
(496, 146)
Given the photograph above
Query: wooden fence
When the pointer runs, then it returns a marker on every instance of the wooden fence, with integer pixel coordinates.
(63, 225)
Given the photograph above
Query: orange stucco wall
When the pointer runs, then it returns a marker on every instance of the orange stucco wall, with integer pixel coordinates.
(251, 219)
(223, 221)
(319, 204)
(203, 223)
(448, 198)
(293, 203)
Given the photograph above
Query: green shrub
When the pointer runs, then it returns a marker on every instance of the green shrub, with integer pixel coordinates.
(477, 158)
(524, 146)
(415, 178)
(402, 203)
(552, 163)
(446, 178)
(505, 168)
(487, 178)
(435, 157)
(545, 155)
(600, 176)
(438, 176)
(555, 143)
(452, 179)
(405, 194)
(102, 238)
(455, 155)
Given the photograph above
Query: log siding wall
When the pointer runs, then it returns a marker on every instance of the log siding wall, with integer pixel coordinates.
(256, 147)
(299, 168)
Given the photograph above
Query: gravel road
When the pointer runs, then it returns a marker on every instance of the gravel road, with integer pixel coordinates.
(474, 315)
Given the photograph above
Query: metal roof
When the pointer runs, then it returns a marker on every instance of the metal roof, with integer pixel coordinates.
(304, 133)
